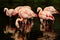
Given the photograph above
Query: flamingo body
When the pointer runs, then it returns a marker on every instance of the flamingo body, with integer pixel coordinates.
(20, 7)
(51, 9)
(26, 13)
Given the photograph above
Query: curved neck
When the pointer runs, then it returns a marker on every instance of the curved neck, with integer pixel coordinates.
(21, 19)
(40, 10)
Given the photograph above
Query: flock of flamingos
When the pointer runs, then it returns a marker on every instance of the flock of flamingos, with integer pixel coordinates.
(25, 12)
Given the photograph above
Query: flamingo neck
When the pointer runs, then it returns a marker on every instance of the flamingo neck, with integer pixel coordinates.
(40, 11)
(21, 19)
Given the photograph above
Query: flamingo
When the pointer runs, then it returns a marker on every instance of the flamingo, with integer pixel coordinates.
(44, 15)
(9, 13)
(52, 10)
(47, 13)
(25, 12)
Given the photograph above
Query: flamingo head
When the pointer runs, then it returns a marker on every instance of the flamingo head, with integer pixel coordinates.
(51, 9)
(5, 9)
(39, 9)
(35, 15)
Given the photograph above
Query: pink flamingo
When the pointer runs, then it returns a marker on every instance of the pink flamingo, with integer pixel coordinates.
(42, 16)
(46, 14)
(25, 12)
(52, 10)
(9, 12)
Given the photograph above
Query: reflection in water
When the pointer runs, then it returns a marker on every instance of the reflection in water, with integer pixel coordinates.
(28, 33)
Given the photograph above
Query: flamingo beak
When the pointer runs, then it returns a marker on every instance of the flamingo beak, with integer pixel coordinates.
(35, 15)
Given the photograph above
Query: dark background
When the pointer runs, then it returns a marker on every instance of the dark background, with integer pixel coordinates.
(4, 20)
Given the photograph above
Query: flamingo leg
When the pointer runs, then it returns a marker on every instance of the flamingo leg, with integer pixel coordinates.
(41, 25)
(10, 22)
(32, 22)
